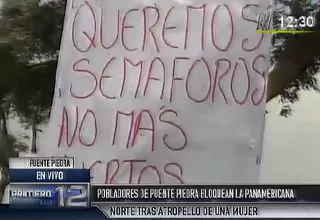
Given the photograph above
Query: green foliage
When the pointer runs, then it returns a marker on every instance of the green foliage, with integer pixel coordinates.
(8, 69)
(34, 32)
(30, 35)
(307, 79)
(34, 29)
(8, 149)
(33, 93)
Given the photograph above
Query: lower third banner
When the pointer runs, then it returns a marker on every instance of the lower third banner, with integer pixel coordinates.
(205, 193)
(174, 211)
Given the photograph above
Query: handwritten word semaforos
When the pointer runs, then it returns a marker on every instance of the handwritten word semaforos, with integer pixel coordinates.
(166, 77)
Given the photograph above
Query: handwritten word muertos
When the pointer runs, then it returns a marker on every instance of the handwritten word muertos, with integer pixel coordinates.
(156, 25)
(138, 170)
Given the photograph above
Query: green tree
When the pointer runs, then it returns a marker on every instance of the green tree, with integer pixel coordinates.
(32, 97)
(34, 30)
(8, 149)
(8, 144)
(29, 43)
(295, 56)
(8, 68)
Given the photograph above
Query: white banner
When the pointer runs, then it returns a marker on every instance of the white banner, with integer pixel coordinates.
(162, 91)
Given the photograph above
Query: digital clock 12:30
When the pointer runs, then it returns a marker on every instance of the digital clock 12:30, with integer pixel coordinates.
(301, 22)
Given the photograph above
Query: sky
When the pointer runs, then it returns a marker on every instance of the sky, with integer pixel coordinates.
(292, 145)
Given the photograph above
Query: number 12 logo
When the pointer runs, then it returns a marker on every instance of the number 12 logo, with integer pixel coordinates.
(72, 195)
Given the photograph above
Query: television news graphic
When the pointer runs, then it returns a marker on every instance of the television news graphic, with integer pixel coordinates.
(49, 195)
(207, 201)
(41, 163)
(49, 175)
(210, 210)
(181, 210)
(48, 182)
(204, 193)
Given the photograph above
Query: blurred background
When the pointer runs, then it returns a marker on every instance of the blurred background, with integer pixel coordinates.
(30, 32)
(292, 145)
